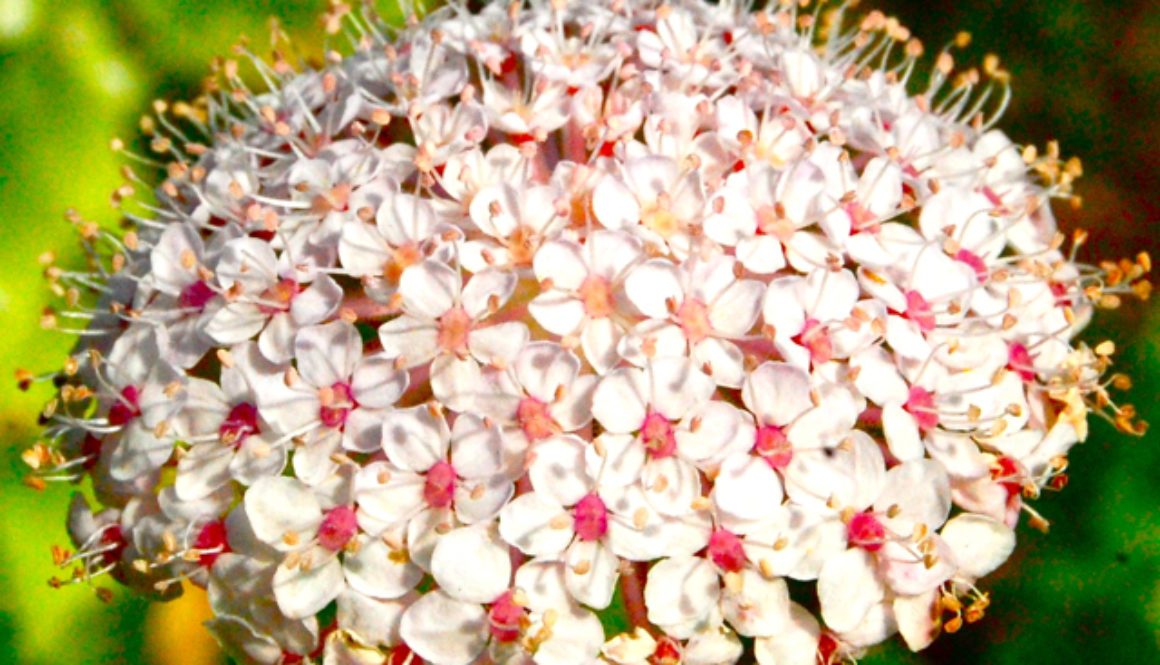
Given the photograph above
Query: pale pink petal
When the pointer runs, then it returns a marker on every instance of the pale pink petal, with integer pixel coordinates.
(599, 340)
(317, 302)
(901, 432)
(614, 204)
(734, 311)
(558, 312)
(487, 288)
(759, 608)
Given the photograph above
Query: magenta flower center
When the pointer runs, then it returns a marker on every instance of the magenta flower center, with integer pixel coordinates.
(535, 419)
(920, 404)
(726, 551)
(865, 531)
(336, 405)
(919, 311)
(656, 432)
(241, 422)
(816, 338)
(439, 489)
(125, 408)
(195, 296)
(1019, 360)
(772, 445)
(338, 528)
(590, 518)
(211, 542)
(504, 618)
(974, 261)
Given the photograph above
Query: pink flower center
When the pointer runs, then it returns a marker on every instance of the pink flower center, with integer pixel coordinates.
(337, 403)
(125, 408)
(726, 551)
(920, 404)
(211, 542)
(195, 296)
(535, 419)
(439, 489)
(1019, 360)
(590, 518)
(865, 531)
(772, 445)
(401, 258)
(454, 327)
(974, 261)
(596, 295)
(919, 311)
(656, 432)
(277, 298)
(241, 422)
(338, 528)
(693, 317)
(815, 337)
(504, 618)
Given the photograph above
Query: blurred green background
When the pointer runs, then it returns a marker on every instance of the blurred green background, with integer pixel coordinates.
(75, 74)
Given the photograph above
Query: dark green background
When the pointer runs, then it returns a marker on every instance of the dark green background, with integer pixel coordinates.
(74, 74)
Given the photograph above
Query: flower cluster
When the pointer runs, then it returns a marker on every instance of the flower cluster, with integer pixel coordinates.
(509, 321)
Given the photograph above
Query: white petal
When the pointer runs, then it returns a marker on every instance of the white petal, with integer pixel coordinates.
(373, 570)
(680, 589)
(373, 622)
(536, 525)
(413, 340)
(614, 204)
(429, 289)
(902, 435)
(302, 593)
(317, 302)
(278, 506)
(760, 608)
(796, 645)
(848, 587)
(472, 564)
(733, 312)
(558, 312)
(620, 399)
(595, 586)
(443, 630)
(376, 383)
(652, 285)
(327, 354)
(414, 439)
(502, 341)
(980, 543)
(917, 618)
(599, 340)
(922, 492)
(677, 386)
(485, 285)
(561, 261)
(747, 489)
(557, 469)
(777, 393)
(671, 484)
